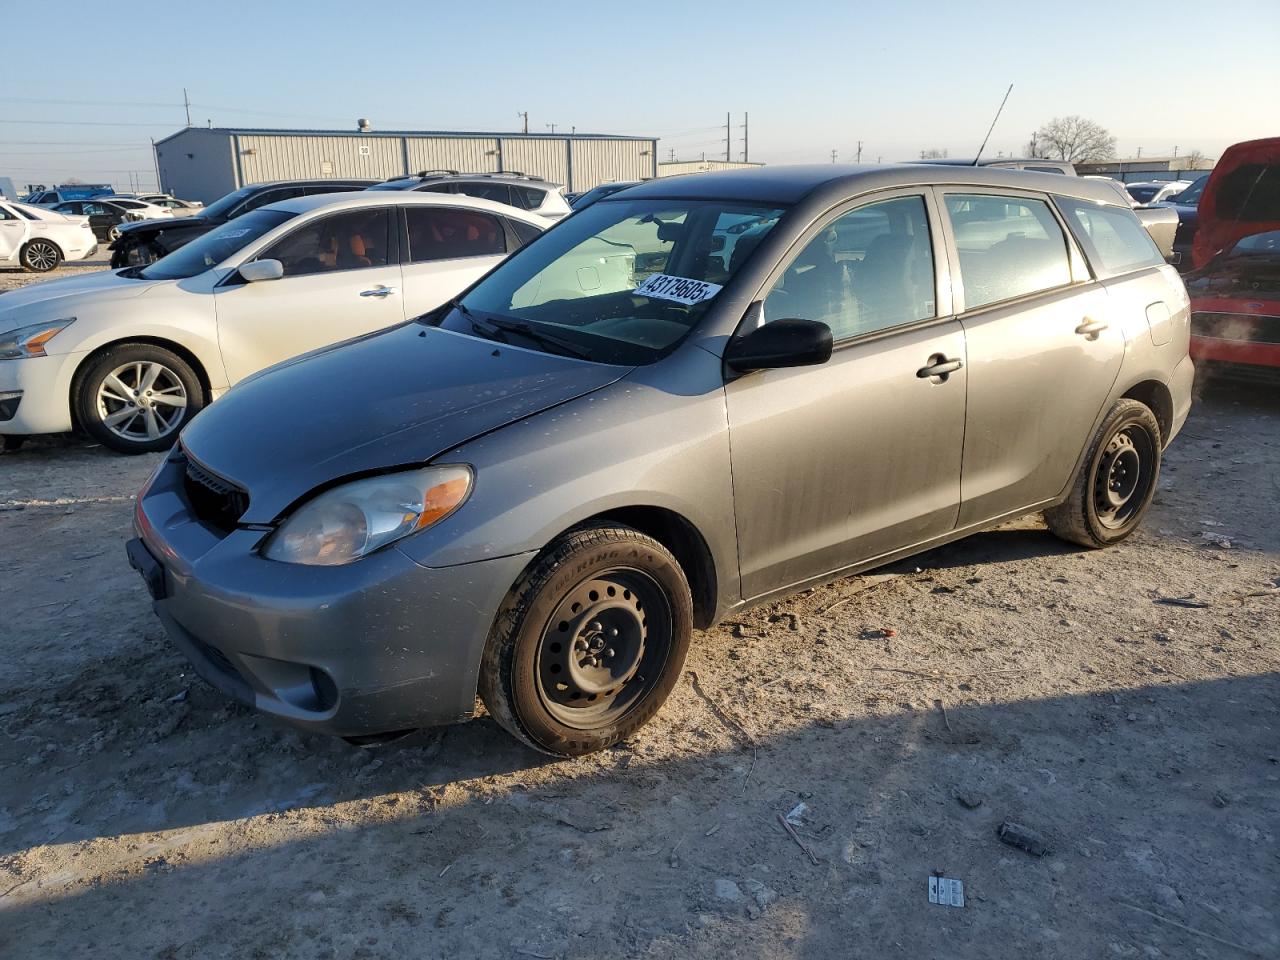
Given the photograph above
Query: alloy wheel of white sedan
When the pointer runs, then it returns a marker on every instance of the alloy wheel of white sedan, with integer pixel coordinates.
(142, 401)
(41, 256)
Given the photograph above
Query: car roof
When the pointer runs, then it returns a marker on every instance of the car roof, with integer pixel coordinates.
(790, 184)
(356, 199)
(453, 176)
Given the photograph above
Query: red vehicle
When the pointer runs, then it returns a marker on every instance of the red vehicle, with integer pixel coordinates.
(1235, 283)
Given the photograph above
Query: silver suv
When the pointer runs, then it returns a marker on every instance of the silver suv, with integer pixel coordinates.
(788, 375)
(520, 190)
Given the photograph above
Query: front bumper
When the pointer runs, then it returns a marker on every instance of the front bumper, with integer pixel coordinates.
(45, 387)
(380, 645)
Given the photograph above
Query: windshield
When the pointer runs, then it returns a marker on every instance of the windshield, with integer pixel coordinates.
(1190, 197)
(215, 246)
(222, 206)
(1143, 194)
(621, 282)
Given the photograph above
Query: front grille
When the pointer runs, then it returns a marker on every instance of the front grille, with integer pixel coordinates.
(215, 500)
(1236, 326)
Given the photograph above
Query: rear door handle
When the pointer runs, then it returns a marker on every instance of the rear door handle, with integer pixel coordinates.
(939, 367)
(378, 291)
(1091, 328)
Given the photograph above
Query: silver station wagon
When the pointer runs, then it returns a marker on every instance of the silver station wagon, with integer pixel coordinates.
(757, 381)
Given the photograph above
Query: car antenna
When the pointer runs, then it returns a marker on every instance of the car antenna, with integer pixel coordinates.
(993, 125)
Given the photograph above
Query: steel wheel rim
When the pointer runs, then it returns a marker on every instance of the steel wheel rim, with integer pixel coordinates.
(1123, 476)
(603, 648)
(141, 401)
(42, 255)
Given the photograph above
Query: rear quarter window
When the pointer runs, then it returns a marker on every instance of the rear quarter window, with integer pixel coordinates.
(1112, 237)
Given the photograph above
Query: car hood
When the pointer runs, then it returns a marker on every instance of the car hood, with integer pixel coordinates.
(395, 398)
(37, 302)
(153, 226)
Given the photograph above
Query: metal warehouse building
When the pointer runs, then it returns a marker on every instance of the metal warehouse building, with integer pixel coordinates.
(200, 163)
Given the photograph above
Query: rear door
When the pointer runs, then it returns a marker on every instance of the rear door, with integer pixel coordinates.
(1045, 346)
(839, 463)
(448, 249)
(341, 279)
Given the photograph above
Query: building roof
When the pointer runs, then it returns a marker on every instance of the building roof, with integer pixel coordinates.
(280, 132)
(790, 184)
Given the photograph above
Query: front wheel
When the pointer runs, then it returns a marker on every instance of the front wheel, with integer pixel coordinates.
(113, 234)
(589, 642)
(41, 256)
(136, 397)
(1116, 482)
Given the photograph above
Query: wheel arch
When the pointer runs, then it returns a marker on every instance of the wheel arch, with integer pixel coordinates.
(679, 535)
(188, 355)
(1156, 396)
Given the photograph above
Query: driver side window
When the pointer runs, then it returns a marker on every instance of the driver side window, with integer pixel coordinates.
(344, 241)
(868, 270)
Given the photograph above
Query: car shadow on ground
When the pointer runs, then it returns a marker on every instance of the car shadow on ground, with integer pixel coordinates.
(672, 846)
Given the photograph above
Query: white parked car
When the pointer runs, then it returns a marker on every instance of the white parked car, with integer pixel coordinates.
(140, 208)
(179, 208)
(39, 239)
(1155, 191)
(130, 355)
(520, 190)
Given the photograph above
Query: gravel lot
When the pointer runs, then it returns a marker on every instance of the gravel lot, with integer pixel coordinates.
(912, 712)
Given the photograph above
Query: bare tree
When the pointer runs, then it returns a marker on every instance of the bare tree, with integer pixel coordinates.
(933, 154)
(1193, 159)
(1075, 139)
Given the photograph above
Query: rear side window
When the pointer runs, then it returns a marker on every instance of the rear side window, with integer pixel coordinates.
(1112, 237)
(1008, 246)
(268, 196)
(527, 198)
(442, 233)
(344, 241)
(497, 192)
(1045, 169)
(525, 232)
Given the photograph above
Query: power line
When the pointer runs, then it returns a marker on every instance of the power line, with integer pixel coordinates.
(88, 123)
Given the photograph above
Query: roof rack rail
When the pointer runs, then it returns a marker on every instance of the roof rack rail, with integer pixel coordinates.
(515, 174)
(436, 173)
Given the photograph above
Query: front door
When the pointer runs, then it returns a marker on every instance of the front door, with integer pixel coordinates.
(1045, 347)
(341, 279)
(13, 230)
(449, 249)
(847, 461)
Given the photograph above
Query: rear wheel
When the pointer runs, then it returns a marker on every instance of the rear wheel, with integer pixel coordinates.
(1117, 481)
(113, 233)
(40, 255)
(589, 643)
(136, 397)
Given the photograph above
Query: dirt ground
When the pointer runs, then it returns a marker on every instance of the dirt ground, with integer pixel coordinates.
(1008, 677)
(13, 277)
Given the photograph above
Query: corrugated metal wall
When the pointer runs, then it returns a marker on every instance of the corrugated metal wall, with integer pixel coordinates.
(603, 161)
(547, 159)
(464, 154)
(224, 159)
(266, 157)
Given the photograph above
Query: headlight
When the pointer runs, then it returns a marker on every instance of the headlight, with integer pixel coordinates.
(346, 523)
(29, 341)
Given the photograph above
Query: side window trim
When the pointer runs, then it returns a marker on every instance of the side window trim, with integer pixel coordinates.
(1079, 266)
(943, 270)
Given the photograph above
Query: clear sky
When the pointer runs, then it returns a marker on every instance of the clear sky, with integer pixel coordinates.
(815, 77)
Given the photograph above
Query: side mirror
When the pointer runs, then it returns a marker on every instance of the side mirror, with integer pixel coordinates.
(789, 342)
(257, 270)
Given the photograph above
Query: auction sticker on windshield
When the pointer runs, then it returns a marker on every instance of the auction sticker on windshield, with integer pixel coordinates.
(679, 289)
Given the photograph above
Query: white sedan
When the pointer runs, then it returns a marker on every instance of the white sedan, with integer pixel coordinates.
(140, 208)
(131, 355)
(38, 239)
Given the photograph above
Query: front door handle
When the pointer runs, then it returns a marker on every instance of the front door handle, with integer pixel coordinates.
(1091, 328)
(939, 368)
(378, 291)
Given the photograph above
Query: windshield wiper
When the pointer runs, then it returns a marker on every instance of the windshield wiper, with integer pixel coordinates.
(529, 332)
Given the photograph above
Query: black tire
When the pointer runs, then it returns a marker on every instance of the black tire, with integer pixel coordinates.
(1115, 485)
(541, 638)
(12, 443)
(40, 255)
(177, 380)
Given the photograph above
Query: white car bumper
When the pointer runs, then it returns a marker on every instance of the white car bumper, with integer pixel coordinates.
(35, 394)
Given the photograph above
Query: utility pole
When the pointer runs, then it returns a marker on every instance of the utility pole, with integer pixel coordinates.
(834, 154)
(552, 126)
(744, 138)
(186, 102)
(671, 154)
(1139, 153)
(1175, 151)
(728, 138)
(1034, 154)
(859, 160)
(524, 114)
(155, 160)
